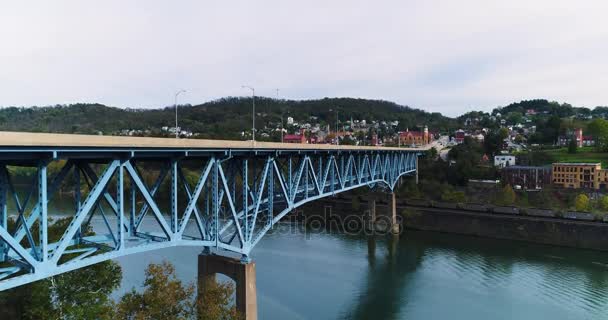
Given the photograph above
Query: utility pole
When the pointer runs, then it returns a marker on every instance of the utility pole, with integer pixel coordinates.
(175, 104)
(253, 103)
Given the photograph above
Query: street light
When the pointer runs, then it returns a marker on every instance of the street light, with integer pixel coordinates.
(282, 128)
(337, 128)
(175, 104)
(253, 103)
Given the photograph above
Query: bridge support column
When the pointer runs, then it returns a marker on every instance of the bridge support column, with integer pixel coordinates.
(371, 223)
(393, 207)
(417, 170)
(243, 274)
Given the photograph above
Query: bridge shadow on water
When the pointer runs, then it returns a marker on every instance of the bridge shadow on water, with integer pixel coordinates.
(397, 265)
(391, 260)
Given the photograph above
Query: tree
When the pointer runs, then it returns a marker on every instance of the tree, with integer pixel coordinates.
(432, 153)
(604, 203)
(163, 297)
(79, 294)
(599, 130)
(581, 202)
(214, 302)
(506, 197)
(572, 147)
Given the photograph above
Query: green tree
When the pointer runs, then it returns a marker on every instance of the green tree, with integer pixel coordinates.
(164, 297)
(79, 294)
(599, 130)
(572, 147)
(604, 203)
(581, 202)
(85, 294)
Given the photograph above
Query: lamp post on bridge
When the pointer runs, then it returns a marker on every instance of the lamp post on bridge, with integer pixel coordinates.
(337, 129)
(282, 127)
(175, 104)
(253, 103)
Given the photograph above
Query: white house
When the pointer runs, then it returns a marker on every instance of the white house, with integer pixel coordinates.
(504, 160)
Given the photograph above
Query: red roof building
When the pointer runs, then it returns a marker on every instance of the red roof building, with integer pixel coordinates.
(414, 137)
(459, 136)
(295, 138)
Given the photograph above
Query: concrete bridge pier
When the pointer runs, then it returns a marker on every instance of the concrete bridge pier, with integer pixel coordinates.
(393, 213)
(243, 275)
(371, 223)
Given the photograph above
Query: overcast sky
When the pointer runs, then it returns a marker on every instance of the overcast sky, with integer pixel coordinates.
(447, 56)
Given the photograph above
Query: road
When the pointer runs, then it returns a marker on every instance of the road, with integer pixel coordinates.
(441, 145)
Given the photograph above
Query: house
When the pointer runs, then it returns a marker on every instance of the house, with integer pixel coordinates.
(581, 140)
(503, 161)
(295, 138)
(588, 141)
(459, 136)
(375, 141)
(479, 137)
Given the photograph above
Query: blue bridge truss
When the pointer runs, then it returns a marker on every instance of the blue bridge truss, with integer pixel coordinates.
(145, 199)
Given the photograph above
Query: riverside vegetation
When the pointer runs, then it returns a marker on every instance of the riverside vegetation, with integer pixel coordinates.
(86, 294)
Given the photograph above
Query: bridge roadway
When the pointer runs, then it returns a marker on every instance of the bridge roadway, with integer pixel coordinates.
(224, 196)
(54, 140)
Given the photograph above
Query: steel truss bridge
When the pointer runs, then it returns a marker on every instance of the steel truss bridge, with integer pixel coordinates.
(152, 193)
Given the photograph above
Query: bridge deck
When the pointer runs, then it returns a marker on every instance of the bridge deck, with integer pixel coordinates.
(54, 140)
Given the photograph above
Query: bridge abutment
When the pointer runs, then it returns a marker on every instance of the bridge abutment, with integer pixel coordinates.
(243, 274)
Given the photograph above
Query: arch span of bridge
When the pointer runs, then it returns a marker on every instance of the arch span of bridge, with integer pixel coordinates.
(215, 194)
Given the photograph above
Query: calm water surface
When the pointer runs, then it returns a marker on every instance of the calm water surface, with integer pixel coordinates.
(418, 276)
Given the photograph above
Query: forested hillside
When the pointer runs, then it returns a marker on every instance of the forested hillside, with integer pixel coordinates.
(223, 118)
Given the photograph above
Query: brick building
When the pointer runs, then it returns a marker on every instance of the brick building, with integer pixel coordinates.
(579, 175)
(417, 138)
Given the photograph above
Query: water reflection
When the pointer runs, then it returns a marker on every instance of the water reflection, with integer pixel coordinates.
(473, 278)
(386, 283)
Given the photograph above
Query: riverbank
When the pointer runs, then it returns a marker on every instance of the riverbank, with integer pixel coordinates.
(543, 230)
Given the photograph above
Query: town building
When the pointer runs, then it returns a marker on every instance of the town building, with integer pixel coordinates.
(295, 138)
(527, 177)
(577, 134)
(375, 141)
(503, 160)
(579, 175)
(415, 137)
(459, 136)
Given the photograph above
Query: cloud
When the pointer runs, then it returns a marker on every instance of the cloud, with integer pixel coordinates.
(447, 56)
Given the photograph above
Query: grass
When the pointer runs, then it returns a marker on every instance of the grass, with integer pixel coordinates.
(585, 154)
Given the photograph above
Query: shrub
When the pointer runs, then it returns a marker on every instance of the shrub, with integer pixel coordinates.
(506, 197)
(604, 203)
(581, 202)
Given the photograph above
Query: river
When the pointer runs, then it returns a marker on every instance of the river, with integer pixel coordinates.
(417, 276)
(420, 275)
